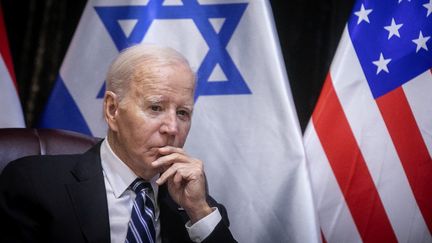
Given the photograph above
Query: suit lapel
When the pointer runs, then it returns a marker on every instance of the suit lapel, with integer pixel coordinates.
(88, 197)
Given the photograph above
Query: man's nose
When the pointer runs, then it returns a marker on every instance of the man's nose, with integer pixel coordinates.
(170, 124)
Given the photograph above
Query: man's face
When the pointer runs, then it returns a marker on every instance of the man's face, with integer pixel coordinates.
(153, 114)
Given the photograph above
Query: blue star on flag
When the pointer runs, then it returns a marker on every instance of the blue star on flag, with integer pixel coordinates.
(201, 15)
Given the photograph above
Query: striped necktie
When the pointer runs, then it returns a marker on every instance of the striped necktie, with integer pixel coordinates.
(141, 227)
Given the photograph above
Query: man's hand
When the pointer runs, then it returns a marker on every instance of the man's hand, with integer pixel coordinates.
(185, 180)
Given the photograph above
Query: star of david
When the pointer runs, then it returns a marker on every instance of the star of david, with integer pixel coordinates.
(200, 14)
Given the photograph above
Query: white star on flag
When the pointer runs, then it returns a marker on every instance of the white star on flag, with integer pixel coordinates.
(428, 6)
(363, 14)
(421, 42)
(393, 29)
(381, 64)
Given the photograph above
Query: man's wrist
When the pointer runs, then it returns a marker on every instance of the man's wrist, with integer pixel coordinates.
(204, 227)
(198, 213)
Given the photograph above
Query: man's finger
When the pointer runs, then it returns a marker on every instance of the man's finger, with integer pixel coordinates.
(166, 175)
(177, 171)
(168, 160)
(178, 178)
(170, 149)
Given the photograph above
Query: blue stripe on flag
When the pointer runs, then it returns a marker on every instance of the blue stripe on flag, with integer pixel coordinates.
(62, 112)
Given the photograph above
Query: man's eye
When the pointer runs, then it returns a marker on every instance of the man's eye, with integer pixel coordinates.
(156, 108)
(183, 113)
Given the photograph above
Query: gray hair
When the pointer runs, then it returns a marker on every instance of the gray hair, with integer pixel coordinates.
(136, 63)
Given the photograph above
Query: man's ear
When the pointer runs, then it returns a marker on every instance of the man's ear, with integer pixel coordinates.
(111, 106)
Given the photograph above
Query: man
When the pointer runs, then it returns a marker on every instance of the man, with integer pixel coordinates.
(90, 197)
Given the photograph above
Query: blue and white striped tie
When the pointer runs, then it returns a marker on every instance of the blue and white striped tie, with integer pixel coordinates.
(141, 227)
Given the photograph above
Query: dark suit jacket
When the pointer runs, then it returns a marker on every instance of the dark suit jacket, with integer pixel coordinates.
(62, 199)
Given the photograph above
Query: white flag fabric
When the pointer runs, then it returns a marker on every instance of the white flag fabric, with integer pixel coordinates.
(369, 142)
(244, 128)
(10, 106)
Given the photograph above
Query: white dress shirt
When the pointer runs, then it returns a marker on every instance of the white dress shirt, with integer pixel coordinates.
(118, 177)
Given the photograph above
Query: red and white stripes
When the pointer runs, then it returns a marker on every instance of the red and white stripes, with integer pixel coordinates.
(369, 159)
(10, 106)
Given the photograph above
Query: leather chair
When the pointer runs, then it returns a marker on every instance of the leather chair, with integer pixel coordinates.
(19, 142)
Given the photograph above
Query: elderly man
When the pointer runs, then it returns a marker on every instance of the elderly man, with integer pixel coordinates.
(138, 184)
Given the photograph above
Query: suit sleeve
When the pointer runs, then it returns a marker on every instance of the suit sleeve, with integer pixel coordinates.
(19, 214)
(221, 233)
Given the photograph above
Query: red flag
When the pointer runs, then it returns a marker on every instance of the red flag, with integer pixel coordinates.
(10, 106)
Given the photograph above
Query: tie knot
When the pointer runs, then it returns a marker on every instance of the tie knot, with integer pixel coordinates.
(138, 185)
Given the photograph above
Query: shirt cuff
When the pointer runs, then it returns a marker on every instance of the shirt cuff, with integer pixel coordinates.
(204, 227)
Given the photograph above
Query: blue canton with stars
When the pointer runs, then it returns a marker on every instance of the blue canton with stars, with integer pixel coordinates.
(392, 41)
(200, 14)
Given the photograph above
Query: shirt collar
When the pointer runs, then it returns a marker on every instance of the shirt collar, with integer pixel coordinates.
(118, 174)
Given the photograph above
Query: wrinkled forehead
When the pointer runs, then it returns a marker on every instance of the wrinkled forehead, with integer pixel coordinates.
(173, 77)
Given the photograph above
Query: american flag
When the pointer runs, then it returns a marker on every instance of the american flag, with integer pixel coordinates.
(369, 142)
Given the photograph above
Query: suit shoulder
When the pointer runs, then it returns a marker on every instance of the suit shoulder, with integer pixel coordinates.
(38, 160)
(34, 163)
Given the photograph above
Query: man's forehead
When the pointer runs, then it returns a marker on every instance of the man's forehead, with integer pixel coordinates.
(181, 101)
(166, 74)
(161, 98)
(157, 92)
(162, 87)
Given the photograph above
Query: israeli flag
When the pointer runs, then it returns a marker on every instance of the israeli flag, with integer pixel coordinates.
(244, 128)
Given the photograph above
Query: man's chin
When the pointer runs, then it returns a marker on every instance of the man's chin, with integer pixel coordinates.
(147, 174)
